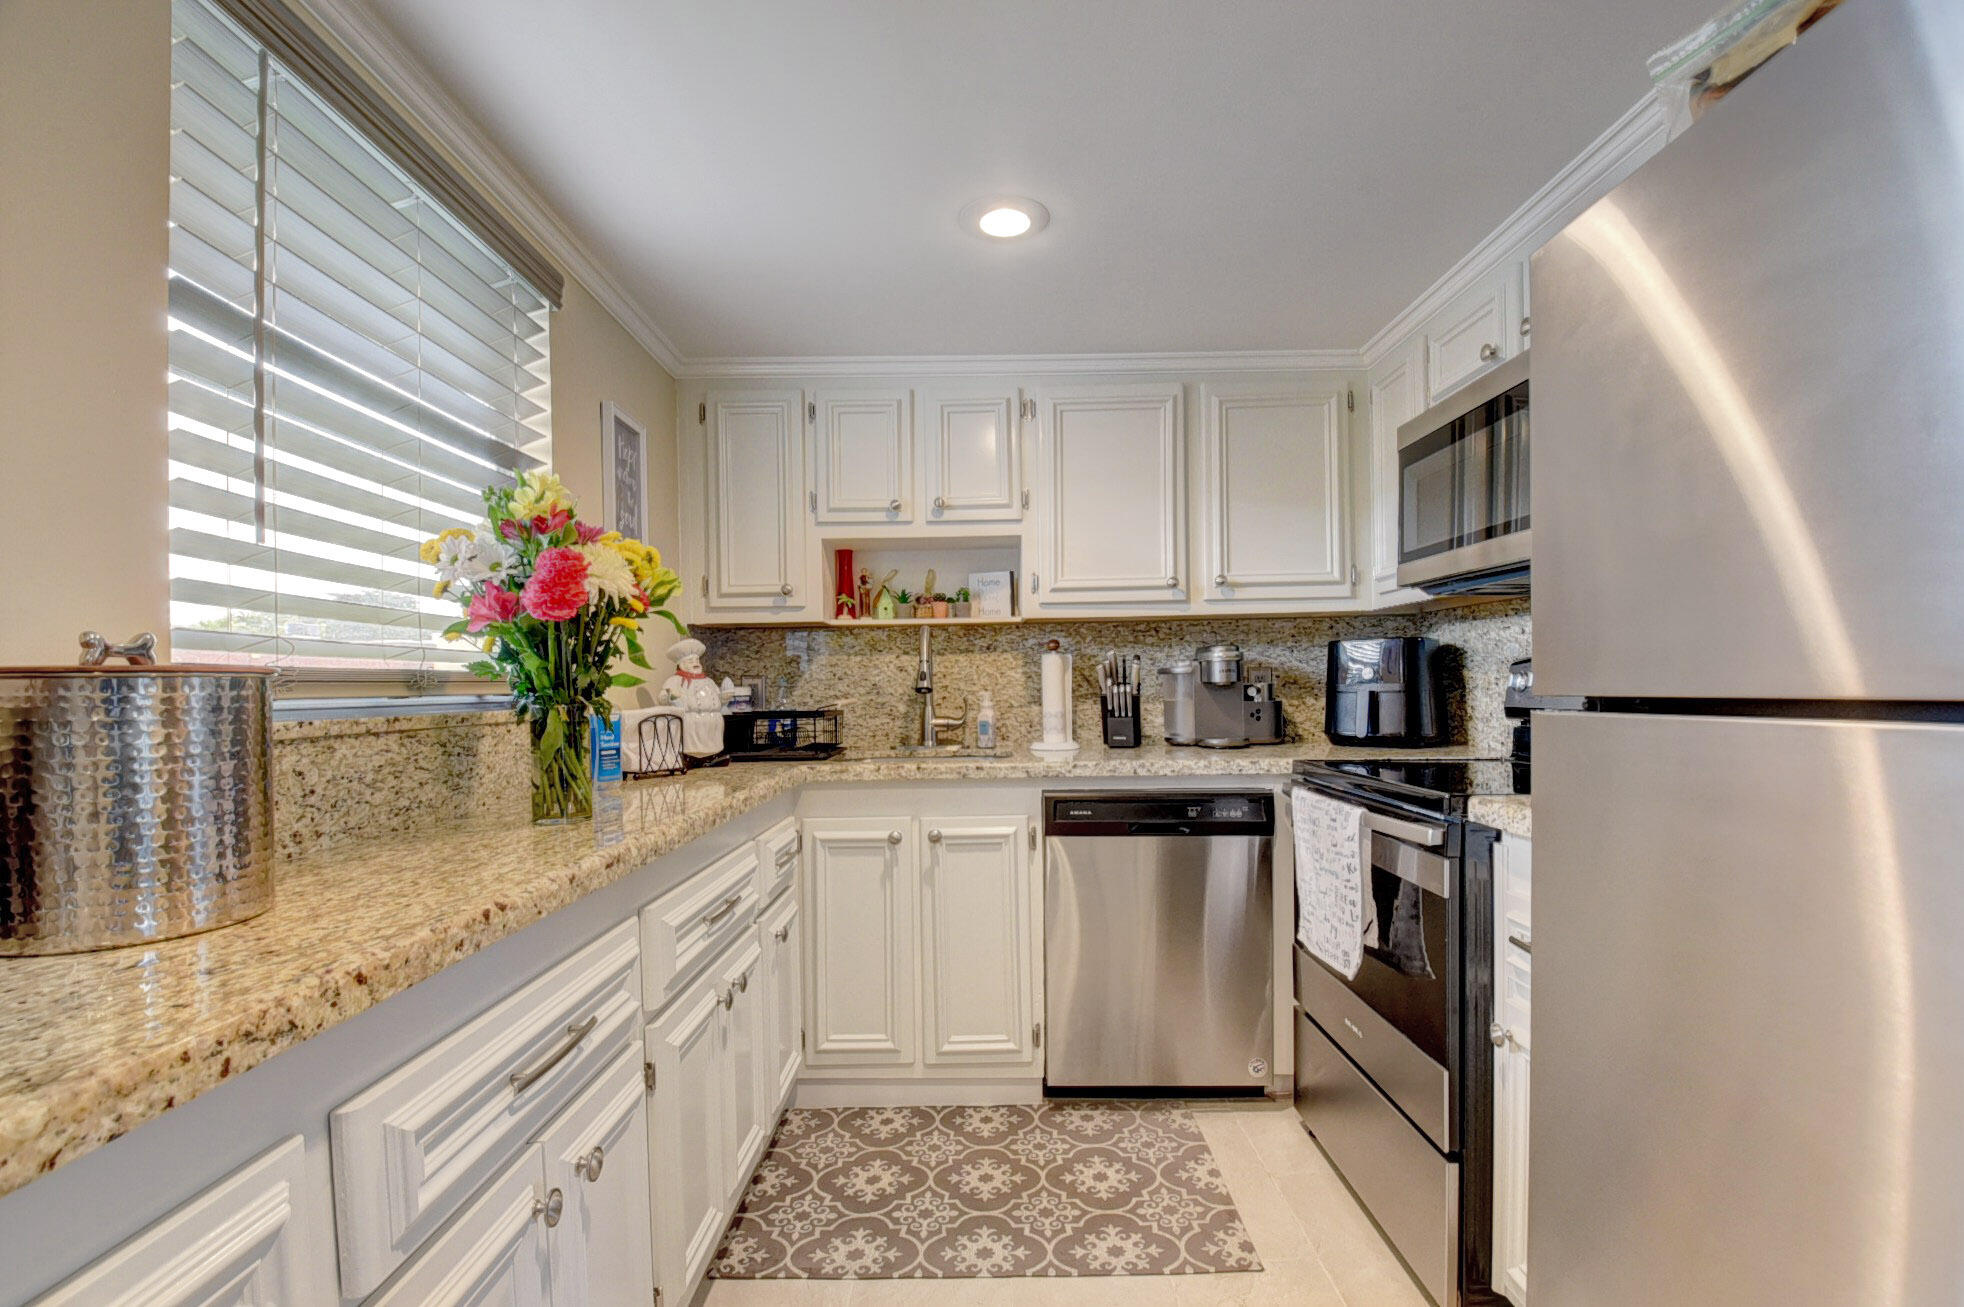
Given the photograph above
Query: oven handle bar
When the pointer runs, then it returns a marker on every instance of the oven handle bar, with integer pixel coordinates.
(1398, 828)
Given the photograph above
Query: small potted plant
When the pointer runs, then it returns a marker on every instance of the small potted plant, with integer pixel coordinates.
(924, 605)
(963, 605)
(940, 604)
(903, 602)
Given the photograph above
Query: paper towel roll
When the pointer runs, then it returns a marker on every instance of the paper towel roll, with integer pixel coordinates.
(1056, 698)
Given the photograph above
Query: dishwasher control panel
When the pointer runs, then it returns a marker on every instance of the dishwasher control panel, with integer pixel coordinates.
(1135, 813)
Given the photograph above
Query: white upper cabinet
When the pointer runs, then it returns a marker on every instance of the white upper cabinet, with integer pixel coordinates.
(233, 1244)
(1397, 395)
(863, 452)
(1111, 494)
(1274, 493)
(976, 949)
(859, 885)
(755, 528)
(971, 467)
(1479, 329)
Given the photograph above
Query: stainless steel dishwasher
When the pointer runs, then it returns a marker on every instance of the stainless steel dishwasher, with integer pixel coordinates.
(1159, 942)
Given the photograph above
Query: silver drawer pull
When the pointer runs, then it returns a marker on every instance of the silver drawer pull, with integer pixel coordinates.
(1489, 352)
(588, 1167)
(727, 907)
(729, 997)
(893, 837)
(552, 1207)
(743, 983)
(1522, 942)
(782, 933)
(524, 1080)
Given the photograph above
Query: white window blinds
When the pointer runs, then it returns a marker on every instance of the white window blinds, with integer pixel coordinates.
(349, 367)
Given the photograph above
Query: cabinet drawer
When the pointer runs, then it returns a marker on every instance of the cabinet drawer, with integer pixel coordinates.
(777, 861)
(495, 1253)
(684, 928)
(411, 1149)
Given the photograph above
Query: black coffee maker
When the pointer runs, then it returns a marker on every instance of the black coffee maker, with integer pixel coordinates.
(1387, 691)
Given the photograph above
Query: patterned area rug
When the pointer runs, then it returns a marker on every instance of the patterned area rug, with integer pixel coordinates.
(896, 1193)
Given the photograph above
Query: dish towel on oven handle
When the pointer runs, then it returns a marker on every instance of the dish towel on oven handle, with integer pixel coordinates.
(1333, 899)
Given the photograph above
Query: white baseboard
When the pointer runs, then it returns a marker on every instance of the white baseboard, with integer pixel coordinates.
(915, 1093)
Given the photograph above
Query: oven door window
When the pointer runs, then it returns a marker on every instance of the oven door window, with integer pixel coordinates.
(1403, 974)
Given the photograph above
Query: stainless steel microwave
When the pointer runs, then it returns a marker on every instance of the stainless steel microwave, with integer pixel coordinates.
(1463, 525)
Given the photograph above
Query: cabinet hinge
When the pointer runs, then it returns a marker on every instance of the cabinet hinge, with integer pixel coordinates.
(801, 1040)
(705, 585)
(657, 1298)
(1350, 400)
(1033, 837)
(1353, 576)
(811, 497)
(702, 414)
(811, 411)
(648, 1075)
(1026, 500)
(1036, 1035)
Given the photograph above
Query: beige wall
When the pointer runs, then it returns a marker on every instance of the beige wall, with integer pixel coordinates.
(84, 206)
(84, 212)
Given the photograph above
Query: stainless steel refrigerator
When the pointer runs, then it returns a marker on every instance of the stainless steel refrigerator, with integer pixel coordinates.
(1749, 552)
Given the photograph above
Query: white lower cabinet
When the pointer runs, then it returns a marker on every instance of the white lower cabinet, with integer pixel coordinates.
(686, 1137)
(975, 942)
(934, 909)
(860, 880)
(781, 935)
(565, 1225)
(232, 1244)
(745, 1129)
(1512, 1038)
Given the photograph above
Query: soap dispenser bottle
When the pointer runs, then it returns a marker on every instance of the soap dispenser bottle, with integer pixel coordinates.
(985, 722)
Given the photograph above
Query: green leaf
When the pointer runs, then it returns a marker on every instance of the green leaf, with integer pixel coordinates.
(482, 667)
(621, 679)
(555, 734)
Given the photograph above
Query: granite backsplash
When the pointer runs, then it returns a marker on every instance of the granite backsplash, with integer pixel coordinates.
(871, 669)
(336, 781)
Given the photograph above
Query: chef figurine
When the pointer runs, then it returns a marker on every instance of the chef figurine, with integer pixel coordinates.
(691, 690)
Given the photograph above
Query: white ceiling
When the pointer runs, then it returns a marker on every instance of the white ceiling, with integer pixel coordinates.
(781, 177)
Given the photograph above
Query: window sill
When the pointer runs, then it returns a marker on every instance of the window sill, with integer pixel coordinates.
(298, 711)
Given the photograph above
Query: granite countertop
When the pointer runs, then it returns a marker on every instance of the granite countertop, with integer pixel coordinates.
(1510, 815)
(94, 1044)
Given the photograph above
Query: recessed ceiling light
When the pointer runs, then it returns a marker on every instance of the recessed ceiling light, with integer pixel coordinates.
(1004, 217)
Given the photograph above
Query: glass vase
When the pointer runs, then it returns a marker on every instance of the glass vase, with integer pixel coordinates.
(562, 780)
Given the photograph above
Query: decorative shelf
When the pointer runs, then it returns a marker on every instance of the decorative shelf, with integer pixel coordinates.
(922, 621)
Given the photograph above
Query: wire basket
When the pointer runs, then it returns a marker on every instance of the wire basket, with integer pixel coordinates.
(782, 734)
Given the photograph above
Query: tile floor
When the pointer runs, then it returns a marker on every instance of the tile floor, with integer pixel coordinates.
(1317, 1247)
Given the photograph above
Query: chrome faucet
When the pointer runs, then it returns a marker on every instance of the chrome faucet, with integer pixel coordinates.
(929, 734)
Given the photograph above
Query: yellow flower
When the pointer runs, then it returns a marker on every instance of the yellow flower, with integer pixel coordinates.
(432, 548)
(453, 636)
(440, 587)
(540, 494)
(627, 622)
(489, 641)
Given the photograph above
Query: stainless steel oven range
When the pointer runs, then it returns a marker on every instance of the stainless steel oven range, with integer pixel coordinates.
(1394, 1074)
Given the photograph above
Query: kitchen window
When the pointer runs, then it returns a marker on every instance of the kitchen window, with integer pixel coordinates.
(351, 362)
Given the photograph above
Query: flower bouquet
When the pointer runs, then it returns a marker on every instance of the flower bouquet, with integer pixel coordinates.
(556, 603)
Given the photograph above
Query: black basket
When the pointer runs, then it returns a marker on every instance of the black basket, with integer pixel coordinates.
(782, 733)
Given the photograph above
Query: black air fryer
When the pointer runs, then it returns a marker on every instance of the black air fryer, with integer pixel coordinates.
(1387, 692)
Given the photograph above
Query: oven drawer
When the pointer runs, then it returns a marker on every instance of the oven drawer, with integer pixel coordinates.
(1410, 1189)
(1401, 1068)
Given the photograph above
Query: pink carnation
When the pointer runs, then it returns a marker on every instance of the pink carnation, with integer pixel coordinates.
(558, 585)
(587, 533)
(493, 604)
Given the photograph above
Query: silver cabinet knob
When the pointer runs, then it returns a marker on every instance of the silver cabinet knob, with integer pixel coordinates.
(728, 1000)
(1524, 327)
(1172, 583)
(934, 837)
(893, 837)
(893, 505)
(1489, 352)
(743, 983)
(782, 933)
(785, 589)
(552, 1207)
(1220, 578)
(939, 503)
(588, 1167)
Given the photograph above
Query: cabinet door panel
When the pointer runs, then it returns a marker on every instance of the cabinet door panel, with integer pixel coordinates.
(745, 1069)
(781, 934)
(686, 1135)
(1112, 485)
(864, 457)
(969, 458)
(1473, 333)
(1397, 390)
(596, 1155)
(233, 1244)
(492, 1255)
(1276, 494)
(860, 890)
(756, 520)
(975, 941)
(1512, 1062)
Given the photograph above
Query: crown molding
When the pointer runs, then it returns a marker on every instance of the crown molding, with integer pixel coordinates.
(977, 365)
(367, 40)
(1641, 132)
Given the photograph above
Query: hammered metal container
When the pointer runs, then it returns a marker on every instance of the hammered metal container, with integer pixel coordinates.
(136, 803)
